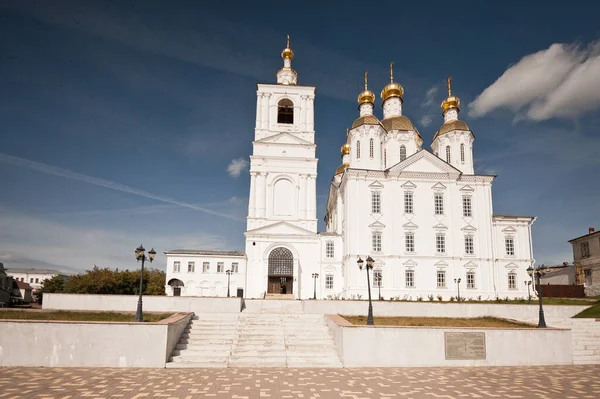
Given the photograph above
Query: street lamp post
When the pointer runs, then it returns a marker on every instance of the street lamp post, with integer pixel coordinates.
(315, 276)
(141, 256)
(457, 281)
(539, 272)
(228, 272)
(528, 284)
(368, 267)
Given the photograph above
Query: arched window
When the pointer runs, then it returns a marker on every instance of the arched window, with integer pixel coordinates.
(285, 111)
(371, 148)
(358, 149)
(402, 153)
(448, 153)
(462, 153)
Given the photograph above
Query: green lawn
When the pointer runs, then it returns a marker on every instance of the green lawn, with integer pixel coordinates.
(482, 322)
(590, 313)
(77, 316)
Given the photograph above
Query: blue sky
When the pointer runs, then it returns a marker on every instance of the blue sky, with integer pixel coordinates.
(130, 122)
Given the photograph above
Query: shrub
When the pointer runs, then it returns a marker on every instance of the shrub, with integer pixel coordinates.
(451, 299)
(430, 297)
(439, 298)
(420, 298)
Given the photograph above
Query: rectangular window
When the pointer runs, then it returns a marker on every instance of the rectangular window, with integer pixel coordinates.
(220, 267)
(37, 280)
(471, 280)
(371, 148)
(510, 245)
(438, 202)
(467, 211)
(235, 267)
(375, 202)
(588, 277)
(409, 242)
(329, 249)
(408, 202)
(377, 278)
(585, 249)
(176, 267)
(441, 279)
(205, 267)
(469, 247)
(376, 241)
(440, 243)
(30, 280)
(329, 281)
(358, 149)
(409, 275)
(512, 281)
(191, 267)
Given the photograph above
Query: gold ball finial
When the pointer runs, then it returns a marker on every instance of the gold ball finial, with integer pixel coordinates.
(367, 96)
(345, 149)
(287, 51)
(452, 102)
(392, 89)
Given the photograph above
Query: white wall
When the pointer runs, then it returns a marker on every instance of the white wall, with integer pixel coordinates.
(30, 343)
(385, 346)
(128, 303)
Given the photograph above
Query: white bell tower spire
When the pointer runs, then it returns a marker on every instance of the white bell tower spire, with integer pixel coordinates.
(286, 75)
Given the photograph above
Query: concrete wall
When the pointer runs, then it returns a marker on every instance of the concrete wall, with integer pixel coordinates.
(383, 346)
(128, 303)
(433, 309)
(32, 343)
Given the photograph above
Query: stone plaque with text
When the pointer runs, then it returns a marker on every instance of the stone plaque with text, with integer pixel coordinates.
(464, 345)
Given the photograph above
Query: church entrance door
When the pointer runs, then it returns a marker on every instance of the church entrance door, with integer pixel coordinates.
(281, 271)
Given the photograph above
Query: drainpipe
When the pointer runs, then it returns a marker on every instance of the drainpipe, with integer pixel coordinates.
(531, 251)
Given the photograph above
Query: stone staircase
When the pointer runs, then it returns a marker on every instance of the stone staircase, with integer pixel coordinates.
(271, 335)
(586, 339)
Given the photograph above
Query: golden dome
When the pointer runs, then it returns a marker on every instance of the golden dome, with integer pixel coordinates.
(451, 126)
(392, 89)
(452, 102)
(342, 168)
(398, 123)
(287, 51)
(366, 120)
(345, 149)
(367, 96)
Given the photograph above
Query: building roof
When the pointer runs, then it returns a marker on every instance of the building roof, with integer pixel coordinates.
(499, 215)
(585, 236)
(33, 271)
(204, 252)
(23, 285)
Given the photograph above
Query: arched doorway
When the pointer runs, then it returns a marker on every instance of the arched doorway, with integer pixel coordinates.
(281, 271)
(176, 286)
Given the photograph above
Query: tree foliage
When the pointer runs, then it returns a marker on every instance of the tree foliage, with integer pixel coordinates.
(54, 284)
(115, 282)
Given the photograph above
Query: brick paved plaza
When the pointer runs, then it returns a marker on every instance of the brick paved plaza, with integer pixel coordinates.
(484, 382)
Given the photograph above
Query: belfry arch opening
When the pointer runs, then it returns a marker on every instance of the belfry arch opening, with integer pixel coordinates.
(285, 111)
(281, 271)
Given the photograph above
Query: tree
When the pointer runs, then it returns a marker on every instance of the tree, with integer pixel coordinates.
(115, 282)
(54, 284)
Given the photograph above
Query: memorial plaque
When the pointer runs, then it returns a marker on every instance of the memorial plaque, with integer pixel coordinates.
(464, 345)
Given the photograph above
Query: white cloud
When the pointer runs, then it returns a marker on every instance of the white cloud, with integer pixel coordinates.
(430, 97)
(426, 120)
(69, 174)
(562, 81)
(237, 166)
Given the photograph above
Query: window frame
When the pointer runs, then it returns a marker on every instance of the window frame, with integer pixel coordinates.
(471, 276)
(467, 204)
(512, 275)
(285, 112)
(462, 152)
(357, 149)
(329, 249)
(440, 243)
(191, 267)
(176, 266)
(376, 241)
(235, 267)
(585, 253)
(448, 154)
(220, 267)
(377, 281)
(441, 282)
(329, 281)
(509, 245)
(205, 267)
(469, 245)
(409, 202)
(376, 202)
(438, 203)
(402, 152)
(371, 148)
(409, 241)
(409, 282)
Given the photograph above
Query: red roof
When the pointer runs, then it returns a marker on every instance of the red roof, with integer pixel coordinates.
(23, 285)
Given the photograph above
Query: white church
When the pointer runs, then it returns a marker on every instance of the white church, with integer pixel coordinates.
(425, 218)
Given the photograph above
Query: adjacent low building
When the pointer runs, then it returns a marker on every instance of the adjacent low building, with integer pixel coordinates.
(33, 277)
(586, 256)
(205, 273)
(6, 283)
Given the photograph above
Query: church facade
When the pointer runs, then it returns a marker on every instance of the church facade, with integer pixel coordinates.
(425, 218)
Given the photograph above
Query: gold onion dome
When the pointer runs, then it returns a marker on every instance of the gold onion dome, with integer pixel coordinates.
(392, 89)
(452, 102)
(287, 51)
(367, 96)
(345, 149)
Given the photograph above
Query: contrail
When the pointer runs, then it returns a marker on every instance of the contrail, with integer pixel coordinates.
(69, 174)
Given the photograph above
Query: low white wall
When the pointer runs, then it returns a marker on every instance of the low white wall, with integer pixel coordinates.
(33, 343)
(434, 309)
(151, 303)
(383, 346)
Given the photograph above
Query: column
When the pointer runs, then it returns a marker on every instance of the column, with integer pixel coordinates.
(311, 198)
(310, 110)
(302, 214)
(261, 191)
(303, 113)
(258, 110)
(252, 199)
(265, 110)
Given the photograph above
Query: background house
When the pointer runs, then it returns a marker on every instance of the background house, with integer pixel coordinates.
(586, 256)
(33, 277)
(6, 283)
(24, 290)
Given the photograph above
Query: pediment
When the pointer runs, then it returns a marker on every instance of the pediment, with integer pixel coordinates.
(509, 229)
(440, 226)
(280, 228)
(284, 138)
(377, 225)
(424, 161)
(409, 184)
(438, 186)
(469, 228)
(467, 188)
(410, 225)
(511, 265)
(470, 265)
(376, 184)
(409, 262)
(441, 263)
